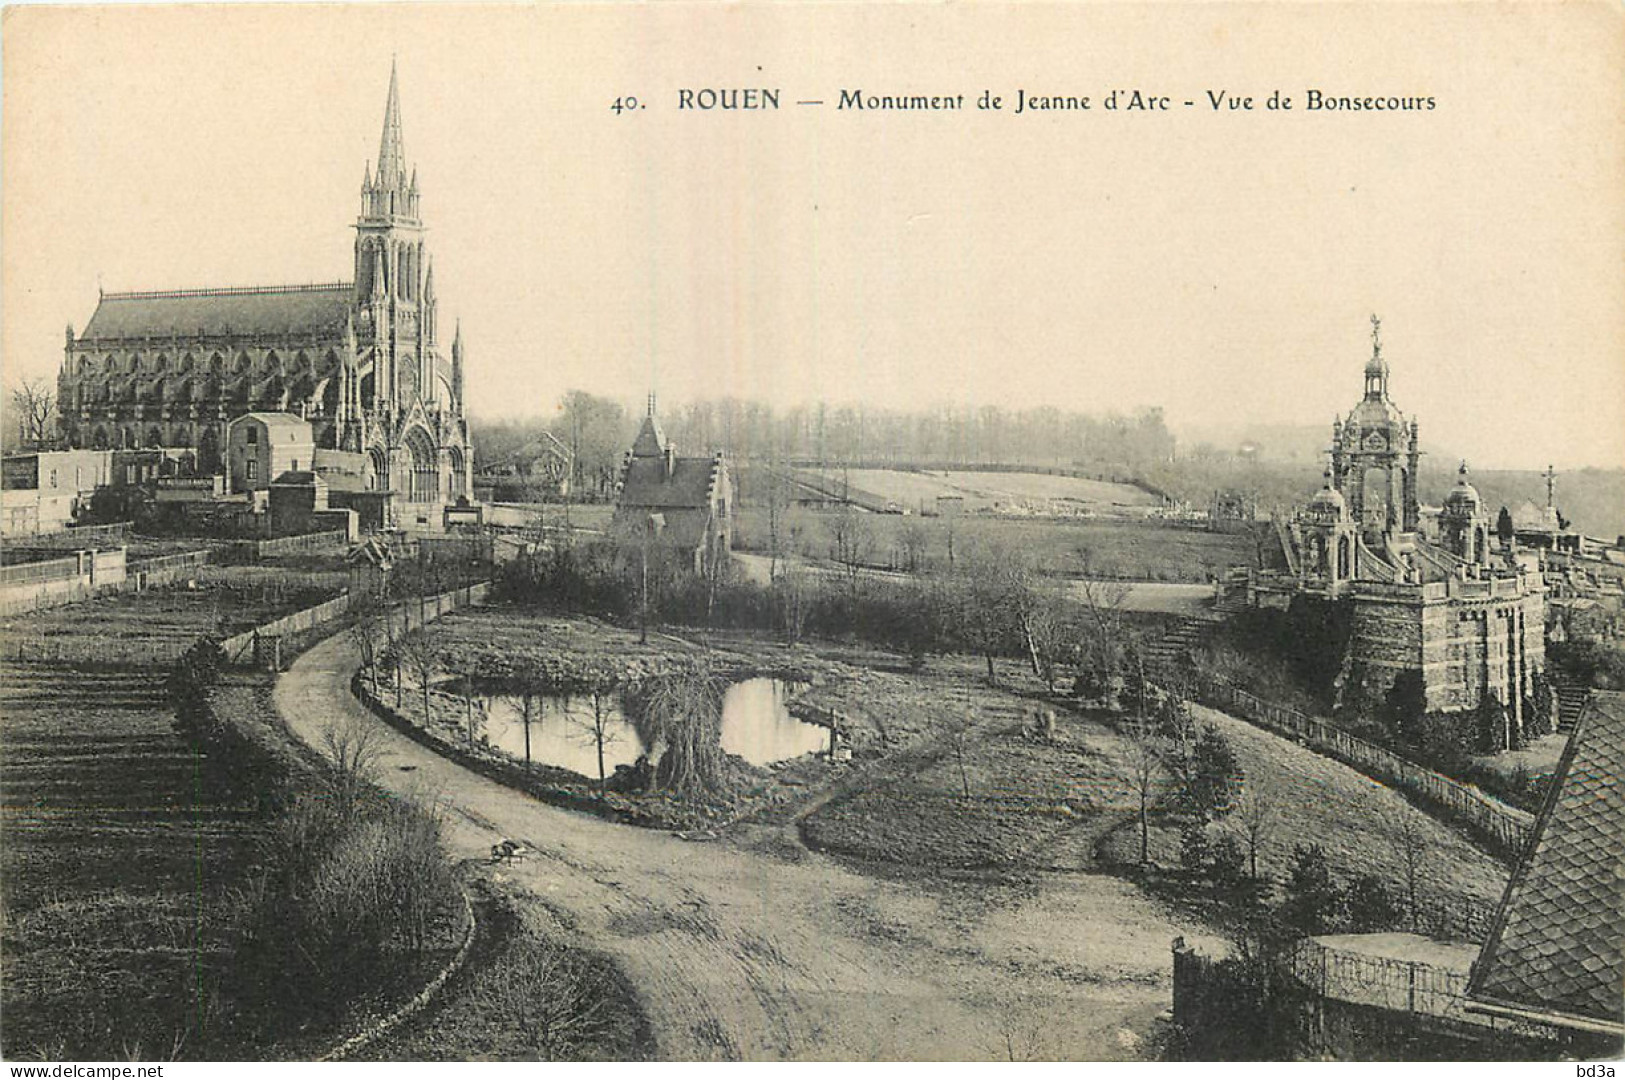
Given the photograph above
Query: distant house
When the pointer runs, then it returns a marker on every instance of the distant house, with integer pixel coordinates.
(543, 463)
(46, 489)
(680, 504)
(1555, 956)
(261, 446)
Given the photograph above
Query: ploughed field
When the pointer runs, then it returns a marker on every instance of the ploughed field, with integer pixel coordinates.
(159, 622)
(105, 857)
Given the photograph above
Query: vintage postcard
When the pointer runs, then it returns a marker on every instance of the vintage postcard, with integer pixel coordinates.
(864, 531)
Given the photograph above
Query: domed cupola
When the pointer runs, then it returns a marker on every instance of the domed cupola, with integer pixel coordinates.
(1463, 528)
(1328, 504)
(1463, 500)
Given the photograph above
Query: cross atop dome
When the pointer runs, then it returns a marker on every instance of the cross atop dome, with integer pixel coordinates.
(1376, 368)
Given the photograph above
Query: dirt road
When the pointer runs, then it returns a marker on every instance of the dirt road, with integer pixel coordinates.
(754, 948)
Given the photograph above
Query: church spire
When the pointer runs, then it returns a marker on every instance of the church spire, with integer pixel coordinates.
(391, 154)
(457, 366)
(651, 440)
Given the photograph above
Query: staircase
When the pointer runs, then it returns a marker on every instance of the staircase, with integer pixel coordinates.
(1288, 548)
(1164, 655)
(1231, 596)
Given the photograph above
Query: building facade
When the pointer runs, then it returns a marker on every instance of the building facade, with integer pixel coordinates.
(46, 489)
(1463, 611)
(680, 504)
(360, 360)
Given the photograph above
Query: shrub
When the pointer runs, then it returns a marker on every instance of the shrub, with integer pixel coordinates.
(1194, 849)
(346, 903)
(1213, 776)
(1229, 864)
(1371, 905)
(1313, 903)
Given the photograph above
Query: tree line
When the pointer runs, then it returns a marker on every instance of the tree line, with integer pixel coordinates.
(598, 431)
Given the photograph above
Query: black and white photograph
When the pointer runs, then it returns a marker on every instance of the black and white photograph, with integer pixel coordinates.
(909, 532)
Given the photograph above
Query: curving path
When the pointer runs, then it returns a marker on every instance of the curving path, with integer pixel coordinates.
(753, 948)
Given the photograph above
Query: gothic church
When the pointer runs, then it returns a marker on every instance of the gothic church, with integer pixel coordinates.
(361, 361)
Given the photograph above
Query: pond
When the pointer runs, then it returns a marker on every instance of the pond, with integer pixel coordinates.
(756, 725)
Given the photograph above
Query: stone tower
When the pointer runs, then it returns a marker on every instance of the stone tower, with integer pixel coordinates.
(1375, 438)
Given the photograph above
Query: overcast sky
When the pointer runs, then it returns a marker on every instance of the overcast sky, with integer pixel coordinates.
(1222, 266)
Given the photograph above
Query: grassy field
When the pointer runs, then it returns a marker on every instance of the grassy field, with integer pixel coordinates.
(987, 490)
(1058, 546)
(1032, 803)
(1354, 818)
(1064, 801)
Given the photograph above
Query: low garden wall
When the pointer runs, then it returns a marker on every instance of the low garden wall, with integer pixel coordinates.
(247, 646)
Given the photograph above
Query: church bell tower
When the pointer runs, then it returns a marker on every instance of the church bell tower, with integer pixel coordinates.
(389, 262)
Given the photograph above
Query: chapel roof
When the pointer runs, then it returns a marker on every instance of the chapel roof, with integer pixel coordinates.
(688, 486)
(250, 312)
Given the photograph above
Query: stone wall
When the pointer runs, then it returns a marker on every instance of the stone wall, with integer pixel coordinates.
(1492, 641)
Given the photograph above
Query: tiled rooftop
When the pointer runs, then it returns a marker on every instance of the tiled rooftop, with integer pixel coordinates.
(1558, 946)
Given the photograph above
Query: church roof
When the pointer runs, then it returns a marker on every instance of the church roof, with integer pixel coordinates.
(254, 312)
(688, 487)
(277, 420)
(651, 440)
(1557, 949)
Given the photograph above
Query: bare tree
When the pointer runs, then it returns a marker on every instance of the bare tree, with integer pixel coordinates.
(853, 542)
(1403, 826)
(1049, 631)
(35, 404)
(599, 729)
(914, 540)
(369, 630)
(994, 595)
(1101, 636)
(528, 702)
(1255, 815)
(534, 537)
(353, 747)
(1144, 768)
(778, 504)
(419, 651)
(795, 590)
(1026, 1029)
